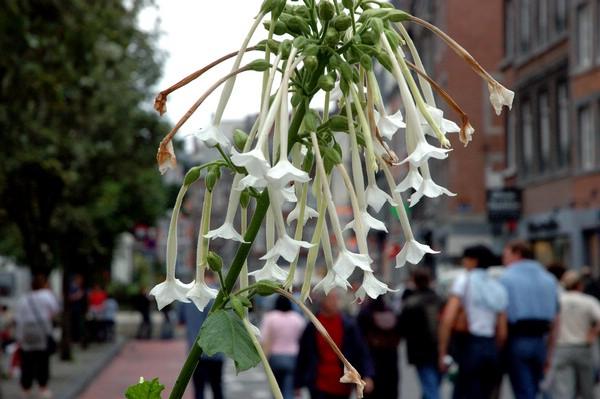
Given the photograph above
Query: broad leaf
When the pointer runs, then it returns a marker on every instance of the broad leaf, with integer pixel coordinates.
(223, 331)
(145, 390)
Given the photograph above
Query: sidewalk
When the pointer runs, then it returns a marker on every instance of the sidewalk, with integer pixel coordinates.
(69, 378)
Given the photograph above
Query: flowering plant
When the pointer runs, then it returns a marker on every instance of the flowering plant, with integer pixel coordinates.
(293, 151)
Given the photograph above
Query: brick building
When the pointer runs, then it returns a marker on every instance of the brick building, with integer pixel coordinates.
(552, 61)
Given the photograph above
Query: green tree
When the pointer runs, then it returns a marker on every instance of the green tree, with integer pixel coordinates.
(78, 136)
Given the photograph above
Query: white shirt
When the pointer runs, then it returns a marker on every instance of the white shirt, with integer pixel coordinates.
(482, 321)
(578, 312)
(46, 306)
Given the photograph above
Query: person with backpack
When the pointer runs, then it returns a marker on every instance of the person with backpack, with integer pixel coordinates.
(33, 318)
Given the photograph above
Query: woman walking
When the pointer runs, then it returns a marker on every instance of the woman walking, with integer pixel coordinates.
(475, 318)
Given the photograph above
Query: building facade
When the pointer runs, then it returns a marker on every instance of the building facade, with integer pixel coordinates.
(552, 61)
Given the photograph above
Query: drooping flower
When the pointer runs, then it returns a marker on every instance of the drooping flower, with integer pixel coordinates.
(347, 261)
(295, 213)
(500, 96)
(169, 291)
(423, 151)
(413, 252)
(428, 188)
(371, 286)
(367, 221)
(445, 125)
(270, 271)
(226, 231)
(256, 165)
(201, 294)
(388, 125)
(376, 197)
(284, 172)
(211, 136)
(285, 247)
(331, 281)
(412, 180)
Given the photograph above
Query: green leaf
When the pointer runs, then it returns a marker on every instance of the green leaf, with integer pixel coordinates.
(223, 331)
(145, 390)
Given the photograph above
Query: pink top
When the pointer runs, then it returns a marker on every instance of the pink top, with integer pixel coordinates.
(281, 332)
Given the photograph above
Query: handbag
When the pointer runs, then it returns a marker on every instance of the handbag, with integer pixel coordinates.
(50, 341)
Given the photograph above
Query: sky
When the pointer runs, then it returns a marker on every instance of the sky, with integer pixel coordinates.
(194, 33)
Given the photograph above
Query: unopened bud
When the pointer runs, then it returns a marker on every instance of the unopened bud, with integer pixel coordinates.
(311, 62)
(239, 139)
(349, 4)
(265, 287)
(366, 62)
(342, 22)
(212, 176)
(258, 65)
(326, 10)
(245, 199)
(326, 82)
(237, 306)
(191, 176)
(215, 263)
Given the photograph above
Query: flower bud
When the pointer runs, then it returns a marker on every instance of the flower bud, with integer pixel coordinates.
(297, 25)
(296, 99)
(311, 62)
(191, 176)
(366, 62)
(215, 263)
(245, 199)
(332, 155)
(326, 10)
(311, 121)
(211, 179)
(369, 37)
(285, 47)
(280, 28)
(326, 82)
(265, 287)
(346, 72)
(338, 123)
(258, 65)
(277, 8)
(376, 25)
(331, 37)
(239, 139)
(397, 15)
(300, 42)
(342, 22)
(245, 301)
(237, 306)
(310, 49)
(349, 4)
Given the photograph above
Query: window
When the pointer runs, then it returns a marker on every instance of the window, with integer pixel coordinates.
(587, 146)
(509, 26)
(560, 16)
(544, 127)
(527, 134)
(562, 125)
(583, 43)
(542, 21)
(524, 25)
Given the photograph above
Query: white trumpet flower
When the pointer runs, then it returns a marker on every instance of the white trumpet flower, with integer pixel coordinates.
(256, 165)
(331, 281)
(371, 287)
(376, 197)
(428, 188)
(423, 151)
(388, 125)
(500, 96)
(201, 294)
(211, 136)
(295, 213)
(367, 221)
(445, 125)
(226, 231)
(284, 172)
(286, 247)
(270, 271)
(413, 252)
(347, 261)
(412, 180)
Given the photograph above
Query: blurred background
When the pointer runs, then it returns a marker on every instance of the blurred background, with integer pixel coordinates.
(81, 199)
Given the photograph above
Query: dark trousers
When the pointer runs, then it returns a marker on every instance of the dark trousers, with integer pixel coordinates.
(525, 362)
(387, 375)
(210, 371)
(314, 394)
(283, 367)
(35, 366)
(478, 362)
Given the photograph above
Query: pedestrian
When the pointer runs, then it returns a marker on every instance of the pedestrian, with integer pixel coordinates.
(380, 326)
(578, 327)
(141, 303)
(317, 367)
(33, 318)
(210, 368)
(532, 311)
(476, 310)
(280, 332)
(77, 307)
(419, 323)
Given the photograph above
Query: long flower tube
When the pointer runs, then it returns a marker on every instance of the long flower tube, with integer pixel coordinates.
(270, 270)
(200, 293)
(313, 252)
(289, 283)
(172, 289)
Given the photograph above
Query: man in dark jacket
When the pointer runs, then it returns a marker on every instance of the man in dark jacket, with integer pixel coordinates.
(317, 366)
(419, 321)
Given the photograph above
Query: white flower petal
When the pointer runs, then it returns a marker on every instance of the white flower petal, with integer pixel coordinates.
(287, 194)
(413, 252)
(284, 172)
(201, 294)
(412, 180)
(254, 161)
(226, 231)
(258, 183)
(347, 261)
(270, 271)
(388, 125)
(376, 197)
(295, 213)
(423, 152)
(500, 96)
(371, 287)
(428, 188)
(368, 221)
(168, 291)
(211, 136)
(287, 248)
(330, 281)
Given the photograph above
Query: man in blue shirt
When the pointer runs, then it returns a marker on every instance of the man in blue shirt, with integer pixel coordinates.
(532, 311)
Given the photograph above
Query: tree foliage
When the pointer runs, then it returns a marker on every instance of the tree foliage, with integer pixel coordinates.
(78, 137)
